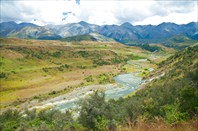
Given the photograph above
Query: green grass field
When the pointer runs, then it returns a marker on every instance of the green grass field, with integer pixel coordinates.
(35, 67)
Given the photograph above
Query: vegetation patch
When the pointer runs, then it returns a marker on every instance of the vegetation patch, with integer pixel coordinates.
(79, 38)
(168, 100)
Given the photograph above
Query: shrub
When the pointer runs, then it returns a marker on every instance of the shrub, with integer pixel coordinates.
(45, 69)
(98, 114)
(89, 79)
(10, 120)
(57, 54)
(172, 114)
(2, 75)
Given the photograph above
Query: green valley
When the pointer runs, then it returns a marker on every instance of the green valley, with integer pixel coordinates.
(84, 65)
(33, 68)
(37, 75)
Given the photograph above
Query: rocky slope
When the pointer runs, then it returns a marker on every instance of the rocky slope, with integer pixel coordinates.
(125, 33)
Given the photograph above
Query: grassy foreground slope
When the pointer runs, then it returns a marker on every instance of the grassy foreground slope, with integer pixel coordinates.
(31, 68)
(173, 87)
(168, 102)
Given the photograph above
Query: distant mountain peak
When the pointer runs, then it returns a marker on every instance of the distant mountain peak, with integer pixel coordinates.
(192, 24)
(83, 23)
(167, 23)
(125, 33)
(126, 24)
(28, 24)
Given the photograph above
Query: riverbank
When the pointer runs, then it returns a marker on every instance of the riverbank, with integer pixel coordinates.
(125, 83)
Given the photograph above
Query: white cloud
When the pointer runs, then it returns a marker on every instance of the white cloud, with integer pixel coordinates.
(130, 11)
(99, 12)
(45, 12)
(173, 17)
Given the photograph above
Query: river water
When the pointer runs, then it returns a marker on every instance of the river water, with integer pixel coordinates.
(125, 84)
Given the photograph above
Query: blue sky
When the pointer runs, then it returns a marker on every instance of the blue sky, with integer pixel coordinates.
(99, 12)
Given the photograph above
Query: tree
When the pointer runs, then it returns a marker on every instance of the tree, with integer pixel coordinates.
(92, 110)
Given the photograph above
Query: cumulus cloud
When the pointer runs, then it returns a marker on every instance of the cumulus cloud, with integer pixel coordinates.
(179, 12)
(44, 12)
(130, 11)
(99, 12)
(164, 8)
(17, 11)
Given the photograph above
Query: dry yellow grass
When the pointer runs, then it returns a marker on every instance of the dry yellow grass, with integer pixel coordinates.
(160, 125)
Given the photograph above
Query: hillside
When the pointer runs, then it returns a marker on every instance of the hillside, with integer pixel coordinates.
(179, 42)
(88, 37)
(168, 101)
(79, 38)
(168, 98)
(85, 65)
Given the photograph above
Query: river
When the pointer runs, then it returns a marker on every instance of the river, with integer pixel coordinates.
(125, 84)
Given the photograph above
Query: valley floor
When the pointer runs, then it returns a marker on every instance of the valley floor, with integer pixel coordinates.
(40, 75)
(33, 69)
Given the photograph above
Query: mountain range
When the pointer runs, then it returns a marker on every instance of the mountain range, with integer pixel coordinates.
(125, 33)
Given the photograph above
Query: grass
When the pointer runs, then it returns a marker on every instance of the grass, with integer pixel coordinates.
(160, 125)
(37, 67)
